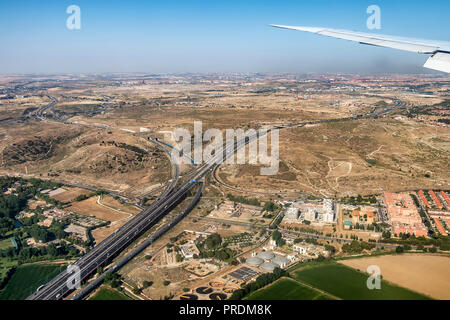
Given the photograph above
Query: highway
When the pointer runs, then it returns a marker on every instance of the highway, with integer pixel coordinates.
(123, 261)
(39, 113)
(57, 288)
(115, 243)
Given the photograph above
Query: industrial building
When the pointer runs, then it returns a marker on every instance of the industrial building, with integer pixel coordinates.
(312, 211)
(281, 261)
(292, 213)
(268, 261)
(243, 274)
(310, 249)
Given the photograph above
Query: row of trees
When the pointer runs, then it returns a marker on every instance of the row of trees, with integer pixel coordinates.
(31, 254)
(356, 247)
(262, 281)
(213, 247)
(359, 200)
(240, 199)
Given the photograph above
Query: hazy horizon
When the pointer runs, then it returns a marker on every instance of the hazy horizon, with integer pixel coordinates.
(204, 37)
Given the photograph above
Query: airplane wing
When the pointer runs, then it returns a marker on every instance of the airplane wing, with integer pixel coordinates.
(440, 50)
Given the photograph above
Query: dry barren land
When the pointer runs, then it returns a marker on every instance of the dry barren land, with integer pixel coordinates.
(423, 273)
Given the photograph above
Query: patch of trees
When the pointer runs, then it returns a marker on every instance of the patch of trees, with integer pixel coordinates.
(80, 198)
(177, 237)
(277, 237)
(276, 222)
(212, 247)
(241, 199)
(6, 182)
(446, 121)
(27, 222)
(43, 184)
(113, 279)
(213, 241)
(39, 234)
(437, 241)
(356, 247)
(307, 230)
(31, 254)
(359, 200)
(6, 224)
(49, 200)
(399, 249)
(99, 193)
(330, 248)
(223, 254)
(270, 206)
(11, 205)
(260, 282)
(56, 231)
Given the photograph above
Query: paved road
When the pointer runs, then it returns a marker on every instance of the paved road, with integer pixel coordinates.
(123, 261)
(115, 243)
(58, 287)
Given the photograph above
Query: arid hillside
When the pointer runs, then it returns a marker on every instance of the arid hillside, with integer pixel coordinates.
(102, 158)
(358, 157)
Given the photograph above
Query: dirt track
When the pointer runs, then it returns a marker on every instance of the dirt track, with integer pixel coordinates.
(90, 207)
(423, 273)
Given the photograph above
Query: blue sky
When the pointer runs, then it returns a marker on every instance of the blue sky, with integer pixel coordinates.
(208, 36)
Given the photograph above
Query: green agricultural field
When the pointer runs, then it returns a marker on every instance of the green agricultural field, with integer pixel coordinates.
(109, 294)
(5, 244)
(287, 289)
(349, 284)
(27, 279)
(5, 265)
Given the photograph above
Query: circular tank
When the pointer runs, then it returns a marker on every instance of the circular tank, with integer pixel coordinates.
(266, 255)
(255, 261)
(268, 266)
(280, 261)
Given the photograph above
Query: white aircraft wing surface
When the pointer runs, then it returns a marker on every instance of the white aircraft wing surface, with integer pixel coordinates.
(440, 50)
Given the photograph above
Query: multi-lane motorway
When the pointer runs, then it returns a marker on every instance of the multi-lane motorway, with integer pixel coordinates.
(115, 243)
(60, 286)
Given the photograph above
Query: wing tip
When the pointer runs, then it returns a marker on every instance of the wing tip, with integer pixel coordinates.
(278, 26)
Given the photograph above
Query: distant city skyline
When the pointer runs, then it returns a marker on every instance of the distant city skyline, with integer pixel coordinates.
(204, 36)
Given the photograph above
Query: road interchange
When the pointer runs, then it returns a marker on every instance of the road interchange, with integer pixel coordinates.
(60, 286)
